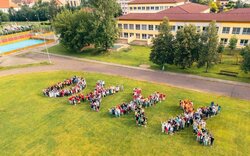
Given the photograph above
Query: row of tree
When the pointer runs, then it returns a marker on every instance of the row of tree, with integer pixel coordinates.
(40, 11)
(92, 25)
(187, 47)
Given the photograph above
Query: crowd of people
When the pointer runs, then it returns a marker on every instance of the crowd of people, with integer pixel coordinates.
(96, 96)
(137, 105)
(58, 90)
(193, 118)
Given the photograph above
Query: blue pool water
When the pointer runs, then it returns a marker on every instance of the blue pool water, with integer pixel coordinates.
(19, 45)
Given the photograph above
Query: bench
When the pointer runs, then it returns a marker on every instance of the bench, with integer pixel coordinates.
(228, 73)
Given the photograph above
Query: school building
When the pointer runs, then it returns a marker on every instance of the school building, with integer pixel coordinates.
(140, 28)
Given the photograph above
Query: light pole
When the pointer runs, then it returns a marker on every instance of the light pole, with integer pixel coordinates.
(44, 41)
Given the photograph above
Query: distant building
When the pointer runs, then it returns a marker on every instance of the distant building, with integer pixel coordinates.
(124, 5)
(153, 6)
(6, 4)
(141, 28)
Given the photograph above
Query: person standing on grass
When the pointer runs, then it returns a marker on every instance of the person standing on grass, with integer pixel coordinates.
(212, 139)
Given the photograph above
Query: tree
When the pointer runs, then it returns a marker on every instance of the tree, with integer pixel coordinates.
(4, 17)
(104, 19)
(232, 43)
(209, 44)
(75, 28)
(186, 46)
(162, 50)
(245, 53)
(53, 9)
(213, 7)
(220, 50)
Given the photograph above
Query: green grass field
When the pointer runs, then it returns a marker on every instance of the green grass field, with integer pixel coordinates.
(139, 55)
(24, 65)
(32, 124)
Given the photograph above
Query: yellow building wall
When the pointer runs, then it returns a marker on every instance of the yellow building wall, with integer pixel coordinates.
(220, 25)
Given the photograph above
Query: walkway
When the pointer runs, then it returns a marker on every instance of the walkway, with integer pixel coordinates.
(227, 88)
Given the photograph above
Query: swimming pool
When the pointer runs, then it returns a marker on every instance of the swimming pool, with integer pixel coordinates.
(19, 45)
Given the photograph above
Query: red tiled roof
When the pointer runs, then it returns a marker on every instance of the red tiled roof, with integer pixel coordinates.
(7, 4)
(240, 11)
(203, 17)
(154, 1)
(187, 8)
(4, 4)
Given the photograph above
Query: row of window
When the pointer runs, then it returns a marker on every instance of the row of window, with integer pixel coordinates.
(243, 42)
(225, 30)
(236, 30)
(137, 35)
(149, 8)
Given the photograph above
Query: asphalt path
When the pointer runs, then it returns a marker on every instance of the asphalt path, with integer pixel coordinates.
(227, 88)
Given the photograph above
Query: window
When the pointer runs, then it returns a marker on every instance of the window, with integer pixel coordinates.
(120, 26)
(120, 34)
(152, 8)
(225, 30)
(161, 7)
(236, 30)
(217, 28)
(138, 27)
(130, 8)
(150, 36)
(135, 8)
(179, 27)
(139, 8)
(246, 31)
(157, 27)
(150, 27)
(144, 27)
(125, 35)
(125, 26)
(144, 36)
(138, 36)
(204, 28)
(243, 42)
(157, 8)
(143, 8)
(172, 28)
(147, 8)
(198, 29)
(131, 34)
(131, 26)
(223, 40)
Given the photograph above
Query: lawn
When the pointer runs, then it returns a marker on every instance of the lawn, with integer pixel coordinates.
(138, 55)
(32, 124)
(24, 65)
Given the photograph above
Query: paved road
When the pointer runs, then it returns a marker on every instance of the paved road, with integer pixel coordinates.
(233, 89)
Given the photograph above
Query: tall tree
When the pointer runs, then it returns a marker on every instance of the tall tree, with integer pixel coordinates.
(209, 41)
(75, 28)
(245, 53)
(186, 46)
(104, 13)
(232, 44)
(53, 9)
(162, 50)
(220, 50)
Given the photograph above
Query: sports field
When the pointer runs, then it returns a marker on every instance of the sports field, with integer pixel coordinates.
(31, 124)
